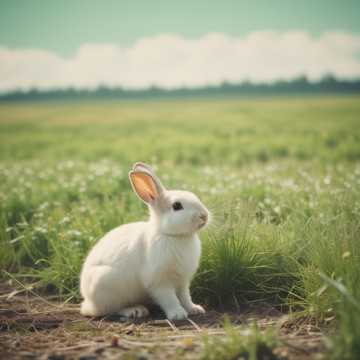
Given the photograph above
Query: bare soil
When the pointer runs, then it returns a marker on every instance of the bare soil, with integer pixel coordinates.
(41, 327)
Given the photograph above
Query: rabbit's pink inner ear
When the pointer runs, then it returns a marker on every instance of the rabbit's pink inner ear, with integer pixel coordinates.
(144, 186)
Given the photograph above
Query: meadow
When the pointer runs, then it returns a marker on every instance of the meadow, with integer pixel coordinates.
(280, 175)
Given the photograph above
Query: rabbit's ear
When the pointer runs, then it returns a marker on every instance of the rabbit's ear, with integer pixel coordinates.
(138, 166)
(144, 186)
(145, 168)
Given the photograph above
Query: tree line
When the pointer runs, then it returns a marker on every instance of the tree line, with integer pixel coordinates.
(301, 85)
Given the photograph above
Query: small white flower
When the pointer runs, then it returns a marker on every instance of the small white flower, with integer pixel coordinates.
(277, 209)
(64, 220)
(74, 232)
(41, 230)
(327, 180)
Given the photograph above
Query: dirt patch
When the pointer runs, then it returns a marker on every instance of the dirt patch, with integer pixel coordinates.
(34, 327)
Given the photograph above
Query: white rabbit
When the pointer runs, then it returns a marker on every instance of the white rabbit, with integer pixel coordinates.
(143, 262)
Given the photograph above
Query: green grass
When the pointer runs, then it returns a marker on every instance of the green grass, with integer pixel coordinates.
(281, 176)
(248, 343)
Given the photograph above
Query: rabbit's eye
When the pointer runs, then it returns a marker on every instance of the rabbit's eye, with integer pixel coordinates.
(177, 206)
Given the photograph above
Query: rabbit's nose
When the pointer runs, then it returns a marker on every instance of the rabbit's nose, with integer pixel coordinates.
(203, 217)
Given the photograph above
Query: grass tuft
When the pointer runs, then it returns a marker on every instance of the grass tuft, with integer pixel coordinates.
(246, 343)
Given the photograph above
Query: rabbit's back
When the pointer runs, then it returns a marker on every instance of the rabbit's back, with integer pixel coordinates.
(119, 246)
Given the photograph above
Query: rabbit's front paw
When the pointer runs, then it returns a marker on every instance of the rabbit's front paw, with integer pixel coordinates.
(196, 309)
(177, 314)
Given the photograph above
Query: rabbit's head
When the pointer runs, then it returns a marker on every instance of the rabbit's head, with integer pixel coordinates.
(175, 212)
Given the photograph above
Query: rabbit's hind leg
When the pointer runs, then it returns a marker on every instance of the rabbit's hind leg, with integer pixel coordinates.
(133, 312)
(89, 309)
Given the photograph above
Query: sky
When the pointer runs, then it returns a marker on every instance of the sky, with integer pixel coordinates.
(137, 44)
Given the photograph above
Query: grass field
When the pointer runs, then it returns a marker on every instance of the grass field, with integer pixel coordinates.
(281, 177)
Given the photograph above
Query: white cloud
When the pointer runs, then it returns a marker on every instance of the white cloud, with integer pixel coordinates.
(172, 61)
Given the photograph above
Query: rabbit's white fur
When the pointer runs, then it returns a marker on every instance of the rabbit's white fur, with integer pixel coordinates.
(144, 262)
